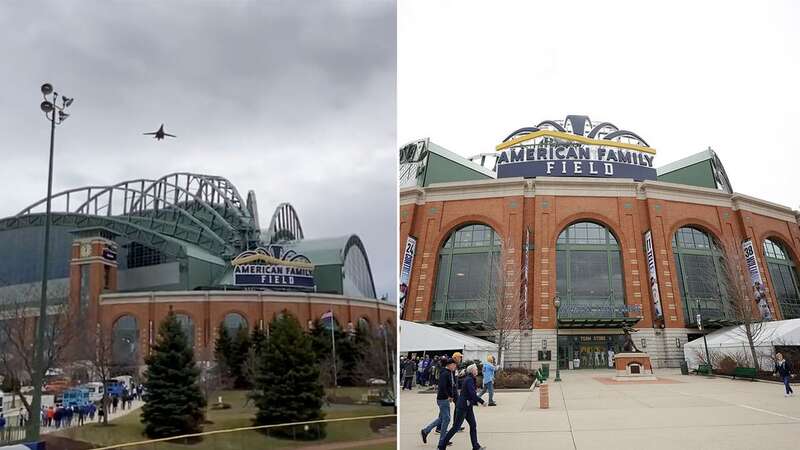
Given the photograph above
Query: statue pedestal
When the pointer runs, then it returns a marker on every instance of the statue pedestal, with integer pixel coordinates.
(633, 367)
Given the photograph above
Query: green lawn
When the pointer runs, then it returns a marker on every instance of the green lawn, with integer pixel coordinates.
(129, 428)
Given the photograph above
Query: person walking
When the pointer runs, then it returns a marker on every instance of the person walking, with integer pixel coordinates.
(446, 393)
(489, 370)
(784, 369)
(467, 399)
(460, 369)
(409, 371)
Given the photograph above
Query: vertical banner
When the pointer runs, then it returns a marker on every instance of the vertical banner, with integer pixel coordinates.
(653, 273)
(759, 295)
(405, 270)
(524, 278)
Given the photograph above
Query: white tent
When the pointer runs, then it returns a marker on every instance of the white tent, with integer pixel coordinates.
(420, 338)
(732, 341)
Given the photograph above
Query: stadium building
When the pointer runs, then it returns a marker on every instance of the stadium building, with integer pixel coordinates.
(579, 211)
(123, 256)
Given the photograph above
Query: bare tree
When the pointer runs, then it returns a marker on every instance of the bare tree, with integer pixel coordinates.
(743, 304)
(18, 321)
(501, 305)
(103, 366)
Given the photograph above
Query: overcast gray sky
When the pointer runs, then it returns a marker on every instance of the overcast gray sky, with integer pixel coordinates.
(295, 100)
(684, 75)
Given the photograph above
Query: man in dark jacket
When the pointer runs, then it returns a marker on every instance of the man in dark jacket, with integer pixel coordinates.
(466, 401)
(446, 393)
(783, 369)
(409, 372)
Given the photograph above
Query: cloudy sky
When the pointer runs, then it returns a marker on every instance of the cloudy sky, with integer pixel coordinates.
(683, 75)
(295, 100)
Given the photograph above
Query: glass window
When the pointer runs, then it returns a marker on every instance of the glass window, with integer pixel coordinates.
(589, 271)
(125, 341)
(232, 322)
(363, 324)
(468, 264)
(783, 273)
(700, 269)
(357, 280)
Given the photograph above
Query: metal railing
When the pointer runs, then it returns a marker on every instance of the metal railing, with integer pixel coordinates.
(710, 309)
(595, 307)
(12, 434)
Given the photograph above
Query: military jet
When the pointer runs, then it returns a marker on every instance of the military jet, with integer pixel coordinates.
(159, 135)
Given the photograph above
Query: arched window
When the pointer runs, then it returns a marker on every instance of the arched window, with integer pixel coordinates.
(125, 341)
(187, 325)
(701, 275)
(589, 272)
(468, 267)
(233, 322)
(363, 325)
(784, 278)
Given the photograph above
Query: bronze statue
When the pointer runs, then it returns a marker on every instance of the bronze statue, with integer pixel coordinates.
(628, 345)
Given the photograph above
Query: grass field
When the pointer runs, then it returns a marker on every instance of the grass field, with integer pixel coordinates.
(241, 413)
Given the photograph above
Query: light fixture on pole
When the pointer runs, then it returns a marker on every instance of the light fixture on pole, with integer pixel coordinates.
(557, 304)
(56, 115)
(700, 327)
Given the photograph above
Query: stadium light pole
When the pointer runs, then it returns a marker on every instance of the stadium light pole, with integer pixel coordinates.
(56, 115)
(557, 303)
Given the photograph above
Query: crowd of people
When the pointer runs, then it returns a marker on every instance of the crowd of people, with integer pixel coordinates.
(456, 383)
(65, 416)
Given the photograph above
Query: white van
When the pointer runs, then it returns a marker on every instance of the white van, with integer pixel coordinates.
(96, 390)
(125, 380)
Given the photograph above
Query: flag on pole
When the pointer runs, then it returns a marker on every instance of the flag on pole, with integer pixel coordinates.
(328, 316)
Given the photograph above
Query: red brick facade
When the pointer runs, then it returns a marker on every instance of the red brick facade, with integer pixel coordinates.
(207, 309)
(547, 205)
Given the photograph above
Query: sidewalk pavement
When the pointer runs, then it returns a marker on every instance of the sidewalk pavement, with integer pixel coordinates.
(587, 413)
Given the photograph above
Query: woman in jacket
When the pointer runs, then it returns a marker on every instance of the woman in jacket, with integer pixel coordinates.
(783, 369)
(489, 370)
(466, 401)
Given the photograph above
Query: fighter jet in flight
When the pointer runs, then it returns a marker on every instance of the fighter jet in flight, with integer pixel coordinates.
(159, 135)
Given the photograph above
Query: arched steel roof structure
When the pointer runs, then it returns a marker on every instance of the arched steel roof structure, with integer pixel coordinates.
(577, 125)
(199, 217)
(203, 210)
(284, 225)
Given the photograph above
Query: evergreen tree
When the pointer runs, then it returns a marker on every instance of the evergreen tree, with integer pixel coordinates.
(351, 351)
(174, 403)
(287, 383)
(238, 355)
(257, 338)
(222, 350)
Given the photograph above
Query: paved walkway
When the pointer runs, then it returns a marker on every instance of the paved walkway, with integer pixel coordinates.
(350, 444)
(585, 413)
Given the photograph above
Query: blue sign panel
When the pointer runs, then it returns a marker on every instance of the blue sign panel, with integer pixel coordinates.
(273, 267)
(574, 160)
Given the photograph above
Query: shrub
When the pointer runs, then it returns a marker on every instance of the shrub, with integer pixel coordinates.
(513, 378)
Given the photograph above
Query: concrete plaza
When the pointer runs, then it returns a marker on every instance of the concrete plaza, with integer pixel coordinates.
(588, 412)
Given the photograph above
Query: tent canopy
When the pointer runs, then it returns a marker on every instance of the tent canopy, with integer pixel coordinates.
(732, 339)
(418, 337)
